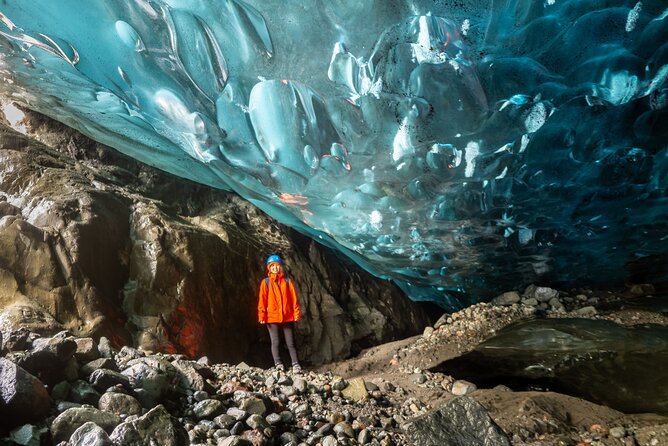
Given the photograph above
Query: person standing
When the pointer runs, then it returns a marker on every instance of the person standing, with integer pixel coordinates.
(278, 308)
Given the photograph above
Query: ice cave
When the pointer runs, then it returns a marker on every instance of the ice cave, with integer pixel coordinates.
(451, 146)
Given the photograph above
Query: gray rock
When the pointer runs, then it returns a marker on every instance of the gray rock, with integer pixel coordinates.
(102, 379)
(157, 426)
(556, 304)
(273, 419)
(507, 298)
(62, 348)
(618, 432)
(90, 434)
(442, 320)
(544, 294)
(207, 409)
(119, 404)
(256, 422)
(234, 440)
(154, 382)
(329, 441)
(190, 377)
(256, 405)
(28, 435)
(531, 302)
(303, 410)
(60, 391)
(461, 387)
(225, 421)
(344, 429)
(23, 397)
(461, 421)
(428, 331)
(83, 393)
(105, 349)
(300, 385)
(237, 414)
(67, 422)
(364, 437)
(100, 363)
(586, 311)
(200, 395)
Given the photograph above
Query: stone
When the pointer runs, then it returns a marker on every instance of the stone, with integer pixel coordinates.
(461, 421)
(154, 382)
(586, 311)
(105, 348)
(23, 397)
(60, 391)
(544, 294)
(100, 363)
(507, 298)
(273, 419)
(618, 432)
(86, 349)
(119, 404)
(66, 423)
(344, 429)
(364, 437)
(28, 435)
(225, 421)
(356, 390)
(102, 379)
(234, 440)
(428, 331)
(207, 409)
(83, 393)
(16, 340)
(89, 434)
(256, 422)
(303, 410)
(189, 376)
(237, 414)
(531, 302)
(256, 405)
(461, 387)
(157, 426)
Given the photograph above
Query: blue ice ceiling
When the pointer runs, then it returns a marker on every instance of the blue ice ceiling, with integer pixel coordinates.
(453, 146)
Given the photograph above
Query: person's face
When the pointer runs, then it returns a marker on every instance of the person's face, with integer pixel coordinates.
(275, 268)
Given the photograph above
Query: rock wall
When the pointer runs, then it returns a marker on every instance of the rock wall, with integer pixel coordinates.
(98, 244)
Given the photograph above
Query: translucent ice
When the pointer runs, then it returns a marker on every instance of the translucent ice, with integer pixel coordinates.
(470, 148)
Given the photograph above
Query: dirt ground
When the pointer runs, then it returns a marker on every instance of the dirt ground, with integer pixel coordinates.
(529, 418)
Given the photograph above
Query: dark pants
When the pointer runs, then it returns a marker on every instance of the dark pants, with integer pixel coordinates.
(288, 334)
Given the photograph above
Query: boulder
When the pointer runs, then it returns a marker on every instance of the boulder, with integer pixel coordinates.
(461, 421)
(356, 390)
(119, 404)
(72, 419)
(157, 426)
(90, 434)
(23, 397)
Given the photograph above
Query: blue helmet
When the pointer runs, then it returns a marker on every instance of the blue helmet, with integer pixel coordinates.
(274, 258)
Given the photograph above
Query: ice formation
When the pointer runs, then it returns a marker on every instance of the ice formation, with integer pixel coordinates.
(454, 147)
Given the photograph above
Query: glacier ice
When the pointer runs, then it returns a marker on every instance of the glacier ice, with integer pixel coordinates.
(457, 148)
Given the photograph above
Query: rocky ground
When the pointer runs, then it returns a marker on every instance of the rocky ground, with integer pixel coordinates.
(65, 390)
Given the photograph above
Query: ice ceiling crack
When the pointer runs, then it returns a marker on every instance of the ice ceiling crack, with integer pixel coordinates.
(466, 148)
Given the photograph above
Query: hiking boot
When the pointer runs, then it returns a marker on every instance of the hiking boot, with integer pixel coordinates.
(296, 368)
(279, 367)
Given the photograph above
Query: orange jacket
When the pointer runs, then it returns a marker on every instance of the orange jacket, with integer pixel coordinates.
(277, 302)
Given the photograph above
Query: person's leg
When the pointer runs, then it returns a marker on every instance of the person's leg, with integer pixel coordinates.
(288, 332)
(275, 342)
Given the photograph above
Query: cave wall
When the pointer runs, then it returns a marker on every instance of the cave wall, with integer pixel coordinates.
(99, 244)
